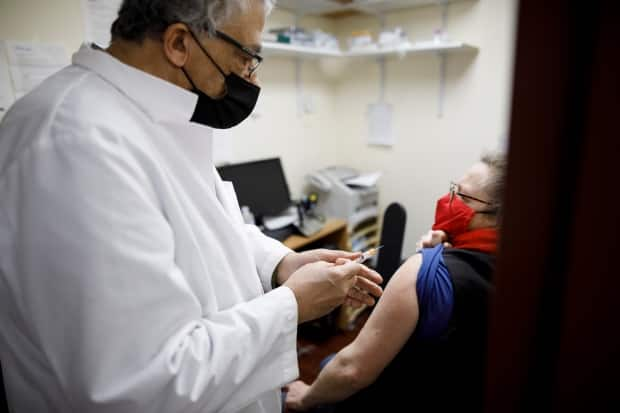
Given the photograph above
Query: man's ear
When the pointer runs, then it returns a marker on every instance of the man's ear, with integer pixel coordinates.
(176, 41)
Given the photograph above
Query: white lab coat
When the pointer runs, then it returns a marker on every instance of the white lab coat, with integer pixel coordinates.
(128, 280)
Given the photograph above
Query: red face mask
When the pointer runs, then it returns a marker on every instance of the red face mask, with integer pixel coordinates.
(453, 217)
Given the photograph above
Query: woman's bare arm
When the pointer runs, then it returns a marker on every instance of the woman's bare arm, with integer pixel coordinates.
(359, 364)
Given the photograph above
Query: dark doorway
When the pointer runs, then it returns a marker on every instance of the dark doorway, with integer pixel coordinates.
(554, 344)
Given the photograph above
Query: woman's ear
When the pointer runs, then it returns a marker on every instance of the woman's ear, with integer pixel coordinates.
(176, 40)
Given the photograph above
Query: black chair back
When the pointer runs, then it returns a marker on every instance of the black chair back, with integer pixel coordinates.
(392, 238)
(4, 405)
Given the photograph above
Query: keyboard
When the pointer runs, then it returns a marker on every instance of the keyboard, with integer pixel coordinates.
(310, 227)
(281, 233)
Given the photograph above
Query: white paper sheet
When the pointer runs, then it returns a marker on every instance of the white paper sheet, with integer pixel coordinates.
(7, 96)
(98, 18)
(36, 54)
(31, 63)
(380, 131)
(364, 180)
(26, 78)
(288, 217)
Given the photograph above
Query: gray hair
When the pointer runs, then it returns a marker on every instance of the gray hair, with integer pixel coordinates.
(496, 183)
(138, 19)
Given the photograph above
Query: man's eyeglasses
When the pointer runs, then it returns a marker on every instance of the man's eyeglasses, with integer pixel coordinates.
(256, 59)
(455, 190)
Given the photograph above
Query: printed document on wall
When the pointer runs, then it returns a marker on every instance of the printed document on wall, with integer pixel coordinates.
(380, 131)
(98, 18)
(7, 95)
(31, 63)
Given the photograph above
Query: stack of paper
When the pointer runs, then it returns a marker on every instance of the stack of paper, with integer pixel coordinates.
(365, 180)
(98, 18)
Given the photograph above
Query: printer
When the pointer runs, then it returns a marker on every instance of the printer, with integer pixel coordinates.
(358, 204)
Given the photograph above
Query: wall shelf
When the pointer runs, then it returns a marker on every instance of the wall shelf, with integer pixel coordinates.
(419, 47)
(378, 8)
(329, 7)
(292, 50)
(306, 52)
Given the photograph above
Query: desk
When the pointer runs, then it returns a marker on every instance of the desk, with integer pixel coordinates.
(334, 231)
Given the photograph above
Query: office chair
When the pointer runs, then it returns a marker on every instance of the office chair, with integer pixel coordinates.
(4, 404)
(392, 237)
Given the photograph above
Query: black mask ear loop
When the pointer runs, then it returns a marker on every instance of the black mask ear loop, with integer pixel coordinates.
(189, 79)
(210, 58)
(207, 54)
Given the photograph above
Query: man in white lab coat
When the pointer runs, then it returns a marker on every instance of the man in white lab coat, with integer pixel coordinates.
(128, 280)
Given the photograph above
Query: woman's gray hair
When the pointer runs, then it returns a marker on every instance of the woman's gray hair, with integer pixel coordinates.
(496, 183)
(138, 19)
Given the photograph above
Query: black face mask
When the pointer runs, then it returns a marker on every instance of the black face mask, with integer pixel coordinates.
(232, 109)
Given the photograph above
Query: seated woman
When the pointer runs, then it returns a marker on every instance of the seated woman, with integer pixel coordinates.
(423, 346)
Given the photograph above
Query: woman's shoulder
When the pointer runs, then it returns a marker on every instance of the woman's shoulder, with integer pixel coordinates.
(469, 263)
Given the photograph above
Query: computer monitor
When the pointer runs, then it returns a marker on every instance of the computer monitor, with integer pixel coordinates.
(261, 185)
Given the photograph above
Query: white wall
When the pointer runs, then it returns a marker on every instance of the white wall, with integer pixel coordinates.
(429, 151)
(301, 141)
(56, 21)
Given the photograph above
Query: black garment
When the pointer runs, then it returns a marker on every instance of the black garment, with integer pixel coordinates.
(445, 373)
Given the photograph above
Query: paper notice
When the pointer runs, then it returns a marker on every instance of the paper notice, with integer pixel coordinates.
(380, 131)
(31, 63)
(7, 96)
(98, 18)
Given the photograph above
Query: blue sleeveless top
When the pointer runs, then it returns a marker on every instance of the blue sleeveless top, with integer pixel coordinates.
(435, 294)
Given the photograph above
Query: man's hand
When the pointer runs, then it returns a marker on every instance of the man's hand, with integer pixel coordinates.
(321, 286)
(432, 239)
(295, 260)
(361, 293)
(295, 393)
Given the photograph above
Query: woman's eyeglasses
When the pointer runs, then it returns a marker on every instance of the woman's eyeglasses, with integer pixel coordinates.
(455, 190)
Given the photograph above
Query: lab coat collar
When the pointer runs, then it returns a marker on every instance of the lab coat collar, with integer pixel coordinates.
(160, 99)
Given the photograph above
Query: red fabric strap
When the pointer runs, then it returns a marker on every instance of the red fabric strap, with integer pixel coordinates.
(483, 240)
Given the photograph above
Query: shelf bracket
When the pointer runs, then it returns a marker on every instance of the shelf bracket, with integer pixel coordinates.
(444, 14)
(443, 62)
(382, 63)
(299, 83)
(382, 78)
(299, 87)
(442, 84)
